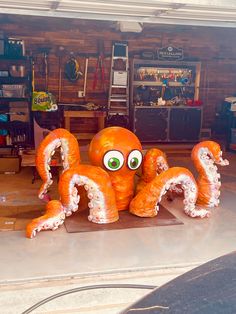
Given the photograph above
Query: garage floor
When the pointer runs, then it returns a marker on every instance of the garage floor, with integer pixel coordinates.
(55, 261)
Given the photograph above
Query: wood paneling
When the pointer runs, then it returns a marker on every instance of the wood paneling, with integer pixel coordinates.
(214, 47)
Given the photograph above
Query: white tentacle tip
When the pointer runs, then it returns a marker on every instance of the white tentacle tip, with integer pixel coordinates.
(226, 162)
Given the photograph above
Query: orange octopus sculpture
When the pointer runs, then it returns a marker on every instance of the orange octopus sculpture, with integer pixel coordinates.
(204, 156)
(115, 154)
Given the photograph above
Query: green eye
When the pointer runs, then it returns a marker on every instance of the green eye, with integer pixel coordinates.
(134, 162)
(134, 159)
(113, 160)
(113, 163)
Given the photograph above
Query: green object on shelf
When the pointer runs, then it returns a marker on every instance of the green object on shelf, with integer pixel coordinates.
(43, 101)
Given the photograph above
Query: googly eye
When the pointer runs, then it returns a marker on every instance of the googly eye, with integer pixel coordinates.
(135, 159)
(113, 160)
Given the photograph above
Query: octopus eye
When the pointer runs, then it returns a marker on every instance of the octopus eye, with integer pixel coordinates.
(113, 160)
(134, 159)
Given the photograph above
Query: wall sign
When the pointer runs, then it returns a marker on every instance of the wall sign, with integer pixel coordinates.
(170, 53)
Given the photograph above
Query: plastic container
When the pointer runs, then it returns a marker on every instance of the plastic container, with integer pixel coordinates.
(13, 90)
(17, 70)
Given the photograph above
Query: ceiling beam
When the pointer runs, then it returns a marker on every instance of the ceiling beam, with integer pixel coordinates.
(215, 13)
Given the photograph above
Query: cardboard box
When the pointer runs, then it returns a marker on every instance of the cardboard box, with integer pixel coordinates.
(10, 164)
(7, 224)
(19, 111)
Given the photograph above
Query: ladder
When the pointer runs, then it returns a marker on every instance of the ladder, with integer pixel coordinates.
(118, 99)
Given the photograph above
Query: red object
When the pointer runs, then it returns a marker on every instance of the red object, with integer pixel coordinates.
(2, 140)
(193, 103)
(99, 66)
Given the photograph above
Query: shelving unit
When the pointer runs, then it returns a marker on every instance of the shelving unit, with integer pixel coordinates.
(160, 92)
(15, 100)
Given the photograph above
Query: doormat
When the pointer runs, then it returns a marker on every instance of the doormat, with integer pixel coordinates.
(78, 222)
(15, 218)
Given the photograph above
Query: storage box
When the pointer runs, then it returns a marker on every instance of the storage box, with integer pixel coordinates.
(19, 111)
(13, 90)
(233, 136)
(10, 164)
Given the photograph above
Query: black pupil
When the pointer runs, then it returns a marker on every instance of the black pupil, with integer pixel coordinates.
(114, 163)
(133, 163)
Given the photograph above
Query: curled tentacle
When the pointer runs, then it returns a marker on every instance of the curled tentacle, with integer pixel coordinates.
(69, 153)
(53, 218)
(97, 183)
(145, 203)
(154, 163)
(204, 155)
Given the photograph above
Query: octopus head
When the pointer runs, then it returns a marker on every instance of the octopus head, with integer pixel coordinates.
(117, 150)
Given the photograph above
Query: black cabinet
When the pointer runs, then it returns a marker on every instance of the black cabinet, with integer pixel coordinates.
(167, 124)
(151, 124)
(184, 124)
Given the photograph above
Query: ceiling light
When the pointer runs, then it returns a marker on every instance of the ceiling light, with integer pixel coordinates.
(130, 27)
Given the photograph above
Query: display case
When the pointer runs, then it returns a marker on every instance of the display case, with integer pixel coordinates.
(165, 100)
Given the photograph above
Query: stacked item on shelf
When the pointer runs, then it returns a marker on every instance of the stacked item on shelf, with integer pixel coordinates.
(12, 91)
(159, 83)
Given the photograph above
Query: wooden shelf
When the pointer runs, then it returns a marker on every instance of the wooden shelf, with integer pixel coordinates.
(23, 58)
(14, 98)
(154, 83)
(13, 80)
(168, 107)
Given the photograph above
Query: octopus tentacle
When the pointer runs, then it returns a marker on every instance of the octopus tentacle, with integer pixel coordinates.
(69, 153)
(124, 189)
(154, 163)
(53, 218)
(97, 183)
(205, 155)
(145, 203)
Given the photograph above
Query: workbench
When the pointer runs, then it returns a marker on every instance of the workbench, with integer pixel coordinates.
(99, 115)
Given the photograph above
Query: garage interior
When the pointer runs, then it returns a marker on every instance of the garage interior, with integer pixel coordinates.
(174, 64)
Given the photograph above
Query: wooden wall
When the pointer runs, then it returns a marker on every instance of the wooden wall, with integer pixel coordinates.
(214, 47)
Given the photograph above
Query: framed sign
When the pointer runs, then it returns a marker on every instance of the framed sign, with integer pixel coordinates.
(170, 53)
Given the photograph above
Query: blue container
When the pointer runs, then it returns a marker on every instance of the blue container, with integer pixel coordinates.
(3, 118)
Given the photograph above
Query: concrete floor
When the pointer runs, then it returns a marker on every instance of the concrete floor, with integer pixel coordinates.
(56, 261)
